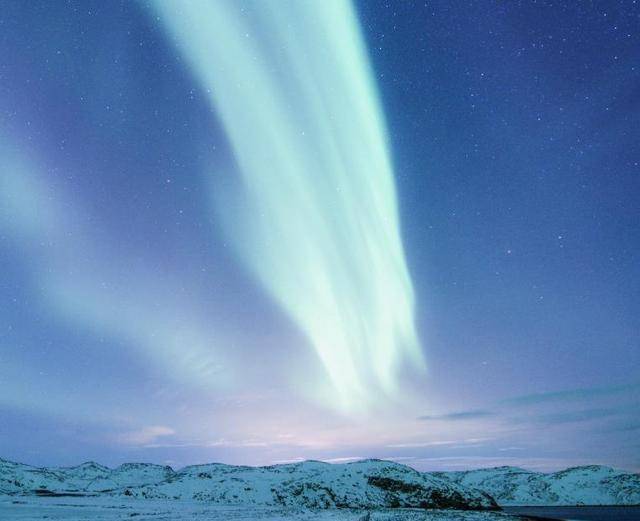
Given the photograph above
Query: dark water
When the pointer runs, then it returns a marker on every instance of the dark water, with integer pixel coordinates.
(580, 513)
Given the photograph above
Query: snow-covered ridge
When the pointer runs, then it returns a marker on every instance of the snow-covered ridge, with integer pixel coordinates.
(310, 484)
(588, 485)
(362, 484)
(17, 478)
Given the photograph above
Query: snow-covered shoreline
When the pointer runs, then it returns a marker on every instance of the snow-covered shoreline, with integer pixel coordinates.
(101, 508)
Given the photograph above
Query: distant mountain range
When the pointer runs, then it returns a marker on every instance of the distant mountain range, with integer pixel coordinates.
(589, 485)
(313, 484)
(310, 484)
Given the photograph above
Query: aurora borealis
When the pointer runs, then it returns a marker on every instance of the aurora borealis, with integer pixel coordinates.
(316, 219)
(254, 232)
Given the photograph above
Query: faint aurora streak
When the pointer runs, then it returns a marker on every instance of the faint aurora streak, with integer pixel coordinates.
(68, 261)
(317, 219)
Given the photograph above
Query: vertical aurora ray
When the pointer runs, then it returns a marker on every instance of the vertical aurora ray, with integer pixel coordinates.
(317, 218)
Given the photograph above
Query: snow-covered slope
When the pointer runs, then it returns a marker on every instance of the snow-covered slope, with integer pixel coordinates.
(104, 508)
(363, 484)
(589, 485)
(16, 478)
(312, 484)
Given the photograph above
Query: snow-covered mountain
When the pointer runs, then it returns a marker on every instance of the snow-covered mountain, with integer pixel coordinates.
(16, 478)
(589, 485)
(310, 484)
(314, 484)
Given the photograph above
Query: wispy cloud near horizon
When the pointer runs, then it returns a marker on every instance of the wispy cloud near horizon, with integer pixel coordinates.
(570, 395)
(459, 415)
(145, 436)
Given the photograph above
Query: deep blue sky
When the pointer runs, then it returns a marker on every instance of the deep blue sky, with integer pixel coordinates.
(514, 131)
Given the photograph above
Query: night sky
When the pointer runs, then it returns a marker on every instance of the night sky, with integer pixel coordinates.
(157, 303)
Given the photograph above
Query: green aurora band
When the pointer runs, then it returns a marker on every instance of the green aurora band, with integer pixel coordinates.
(316, 219)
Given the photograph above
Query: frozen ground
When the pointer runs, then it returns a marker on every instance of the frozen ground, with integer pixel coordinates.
(112, 509)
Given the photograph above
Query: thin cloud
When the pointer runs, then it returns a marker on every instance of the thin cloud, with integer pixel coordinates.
(622, 417)
(584, 415)
(573, 395)
(145, 436)
(626, 427)
(420, 444)
(468, 442)
(460, 415)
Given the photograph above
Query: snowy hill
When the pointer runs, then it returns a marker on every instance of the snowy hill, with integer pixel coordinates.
(313, 484)
(16, 478)
(589, 485)
(310, 484)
